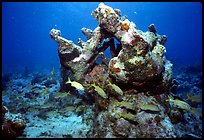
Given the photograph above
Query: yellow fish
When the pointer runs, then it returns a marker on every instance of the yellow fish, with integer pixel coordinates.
(61, 95)
(75, 84)
(52, 71)
(128, 116)
(150, 107)
(179, 104)
(194, 98)
(45, 91)
(45, 106)
(115, 88)
(99, 91)
(128, 105)
(66, 109)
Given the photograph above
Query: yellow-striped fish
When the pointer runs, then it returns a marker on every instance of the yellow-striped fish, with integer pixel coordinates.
(115, 88)
(179, 104)
(75, 84)
(99, 91)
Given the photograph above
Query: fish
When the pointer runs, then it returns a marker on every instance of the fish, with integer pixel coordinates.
(52, 71)
(194, 98)
(51, 113)
(75, 84)
(179, 104)
(45, 91)
(115, 88)
(99, 90)
(128, 116)
(61, 95)
(45, 106)
(68, 108)
(125, 104)
(33, 110)
(150, 107)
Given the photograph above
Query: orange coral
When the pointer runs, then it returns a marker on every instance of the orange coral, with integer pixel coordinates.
(125, 26)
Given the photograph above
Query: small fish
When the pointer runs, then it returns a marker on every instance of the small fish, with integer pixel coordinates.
(128, 116)
(45, 106)
(51, 113)
(99, 91)
(45, 91)
(128, 105)
(69, 108)
(150, 107)
(115, 88)
(33, 110)
(135, 13)
(194, 98)
(75, 84)
(179, 104)
(61, 95)
(52, 71)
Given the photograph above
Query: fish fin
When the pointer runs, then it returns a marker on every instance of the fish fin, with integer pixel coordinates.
(68, 80)
(185, 111)
(168, 98)
(109, 83)
(188, 97)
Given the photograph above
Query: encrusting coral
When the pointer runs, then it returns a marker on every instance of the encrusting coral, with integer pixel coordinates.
(130, 89)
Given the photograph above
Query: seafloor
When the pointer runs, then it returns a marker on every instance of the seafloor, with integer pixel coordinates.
(48, 114)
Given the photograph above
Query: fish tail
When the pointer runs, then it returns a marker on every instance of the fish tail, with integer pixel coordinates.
(168, 98)
(69, 79)
(188, 97)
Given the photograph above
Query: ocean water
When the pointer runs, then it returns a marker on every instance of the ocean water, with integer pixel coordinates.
(26, 43)
(25, 29)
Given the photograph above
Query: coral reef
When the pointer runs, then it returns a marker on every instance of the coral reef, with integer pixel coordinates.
(130, 89)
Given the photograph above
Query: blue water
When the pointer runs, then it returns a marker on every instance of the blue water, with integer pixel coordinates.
(25, 29)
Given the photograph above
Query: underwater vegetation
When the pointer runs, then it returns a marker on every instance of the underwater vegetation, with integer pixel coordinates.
(130, 95)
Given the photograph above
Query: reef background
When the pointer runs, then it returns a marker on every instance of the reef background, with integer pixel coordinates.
(25, 43)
